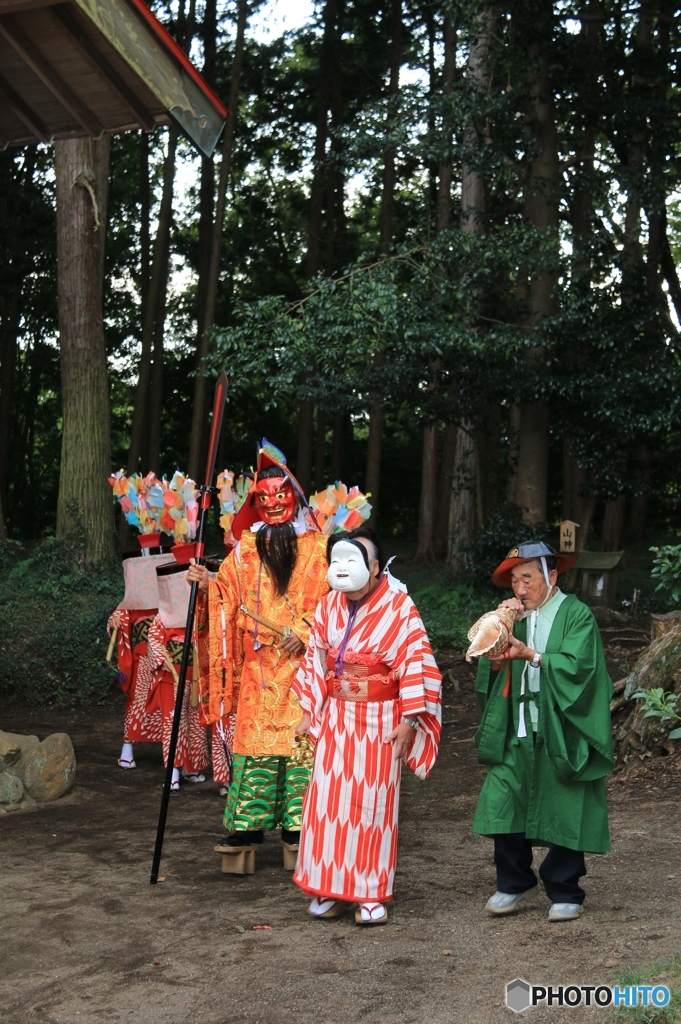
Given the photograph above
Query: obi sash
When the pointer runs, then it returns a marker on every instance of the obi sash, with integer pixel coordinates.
(358, 682)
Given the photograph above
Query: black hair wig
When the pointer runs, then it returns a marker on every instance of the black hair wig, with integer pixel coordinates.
(277, 546)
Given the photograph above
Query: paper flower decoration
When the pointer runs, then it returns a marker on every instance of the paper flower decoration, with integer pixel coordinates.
(232, 494)
(338, 508)
(180, 509)
(134, 494)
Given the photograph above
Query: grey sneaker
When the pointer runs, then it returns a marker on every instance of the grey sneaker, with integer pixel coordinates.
(564, 911)
(507, 902)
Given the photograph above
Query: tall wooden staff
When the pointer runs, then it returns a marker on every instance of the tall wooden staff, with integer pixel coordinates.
(205, 492)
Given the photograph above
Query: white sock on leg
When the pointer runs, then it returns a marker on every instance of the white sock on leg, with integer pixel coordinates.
(127, 752)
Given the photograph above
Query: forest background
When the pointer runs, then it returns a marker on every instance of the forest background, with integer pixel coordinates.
(446, 271)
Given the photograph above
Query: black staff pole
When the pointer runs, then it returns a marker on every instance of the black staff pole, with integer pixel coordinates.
(205, 492)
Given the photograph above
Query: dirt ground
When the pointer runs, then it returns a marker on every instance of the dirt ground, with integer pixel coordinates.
(87, 939)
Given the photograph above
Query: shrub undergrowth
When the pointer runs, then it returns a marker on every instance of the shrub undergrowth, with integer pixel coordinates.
(53, 626)
(448, 611)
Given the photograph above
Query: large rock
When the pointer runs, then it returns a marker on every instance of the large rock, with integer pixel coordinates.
(659, 665)
(12, 745)
(48, 769)
(11, 789)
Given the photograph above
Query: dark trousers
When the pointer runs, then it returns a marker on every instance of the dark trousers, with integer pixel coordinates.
(560, 870)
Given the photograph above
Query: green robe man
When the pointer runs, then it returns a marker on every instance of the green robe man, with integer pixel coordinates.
(546, 736)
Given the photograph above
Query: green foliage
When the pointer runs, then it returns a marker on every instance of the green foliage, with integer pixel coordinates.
(667, 569)
(53, 628)
(502, 529)
(448, 612)
(658, 704)
(666, 972)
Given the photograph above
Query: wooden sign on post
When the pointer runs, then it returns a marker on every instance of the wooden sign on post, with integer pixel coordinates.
(568, 536)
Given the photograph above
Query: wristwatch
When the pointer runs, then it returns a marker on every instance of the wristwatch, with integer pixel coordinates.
(413, 722)
(536, 660)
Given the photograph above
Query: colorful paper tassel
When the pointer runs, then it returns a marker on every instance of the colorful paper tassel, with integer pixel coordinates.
(338, 508)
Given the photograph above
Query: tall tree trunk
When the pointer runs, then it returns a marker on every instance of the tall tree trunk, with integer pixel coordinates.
(318, 188)
(488, 448)
(425, 550)
(157, 281)
(633, 269)
(376, 410)
(336, 226)
(513, 439)
(84, 509)
(462, 506)
(145, 221)
(444, 489)
(542, 194)
(613, 524)
(200, 407)
(464, 485)
(314, 239)
(426, 543)
(155, 417)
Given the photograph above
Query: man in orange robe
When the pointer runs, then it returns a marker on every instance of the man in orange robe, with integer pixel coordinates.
(255, 622)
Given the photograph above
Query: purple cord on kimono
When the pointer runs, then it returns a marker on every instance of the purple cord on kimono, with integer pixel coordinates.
(354, 605)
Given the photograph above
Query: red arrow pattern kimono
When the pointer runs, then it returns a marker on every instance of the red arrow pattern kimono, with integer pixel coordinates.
(136, 677)
(368, 664)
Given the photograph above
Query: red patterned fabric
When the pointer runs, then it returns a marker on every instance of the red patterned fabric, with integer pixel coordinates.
(348, 842)
(192, 746)
(221, 743)
(136, 676)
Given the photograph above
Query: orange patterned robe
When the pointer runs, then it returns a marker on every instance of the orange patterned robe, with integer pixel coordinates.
(241, 666)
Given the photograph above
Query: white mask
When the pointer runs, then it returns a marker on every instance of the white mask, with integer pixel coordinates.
(348, 571)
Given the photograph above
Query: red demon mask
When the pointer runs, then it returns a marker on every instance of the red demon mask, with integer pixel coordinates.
(275, 500)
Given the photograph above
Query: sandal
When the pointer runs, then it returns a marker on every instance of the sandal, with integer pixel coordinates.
(325, 909)
(193, 777)
(175, 786)
(124, 763)
(224, 789)
(370, 909)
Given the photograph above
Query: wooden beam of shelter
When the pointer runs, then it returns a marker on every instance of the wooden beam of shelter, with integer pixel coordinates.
(101, 65)
(23, 111)
(49, 77)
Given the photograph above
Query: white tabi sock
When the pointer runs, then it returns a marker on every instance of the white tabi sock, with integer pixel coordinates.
(369, 911)
(127, 752)
(176, 777)
(319, 906)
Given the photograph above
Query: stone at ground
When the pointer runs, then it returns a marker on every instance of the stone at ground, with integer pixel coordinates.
(48, 770)
(11, 789)
(11, 746)
(31, 771)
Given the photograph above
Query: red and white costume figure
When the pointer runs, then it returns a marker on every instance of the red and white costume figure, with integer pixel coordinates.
(165, 643)
(369, 663)
(132, 618)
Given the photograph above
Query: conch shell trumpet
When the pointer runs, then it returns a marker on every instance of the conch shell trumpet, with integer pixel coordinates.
(489, 635)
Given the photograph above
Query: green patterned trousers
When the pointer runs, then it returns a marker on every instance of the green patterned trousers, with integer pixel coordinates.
(265, 792)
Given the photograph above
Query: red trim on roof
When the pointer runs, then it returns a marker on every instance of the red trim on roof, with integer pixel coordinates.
(179, 54)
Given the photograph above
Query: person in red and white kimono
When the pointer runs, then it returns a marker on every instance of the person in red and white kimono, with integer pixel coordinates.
(370, 691)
